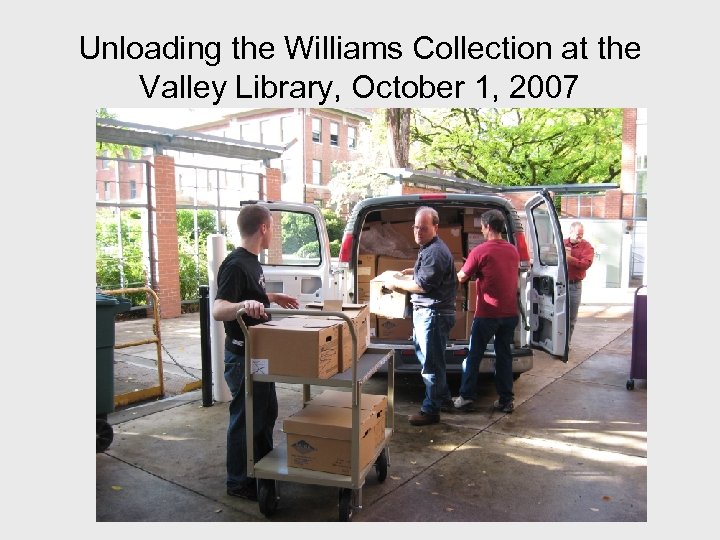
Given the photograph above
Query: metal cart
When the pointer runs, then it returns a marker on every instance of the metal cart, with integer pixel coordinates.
(638, 362)
(274, 466)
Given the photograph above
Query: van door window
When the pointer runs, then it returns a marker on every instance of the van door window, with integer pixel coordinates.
(295, 241)
(546, 240)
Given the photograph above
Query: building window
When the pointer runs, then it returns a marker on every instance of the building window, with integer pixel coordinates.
(105, 162)
(285, 128)
(106, 191)
(319, 203)
(317, 171)
(286, 170)
(352, 137)
(334, 133)
(316, 130)
(133, 189)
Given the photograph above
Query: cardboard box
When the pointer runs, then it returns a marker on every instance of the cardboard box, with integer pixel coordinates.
(472, 295)
(459, 330)
(296, 347)
(395, 215)
(371, 402)
(386, 263)
(363, 293)
(471, 223)
(400, 329)
(360, 315)
(366, 267)
(388, 303)
(474, 240)
(319, 438)
(452, 236)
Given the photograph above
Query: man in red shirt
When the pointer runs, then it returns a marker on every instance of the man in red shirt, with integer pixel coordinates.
(495, 264)
(579, 254)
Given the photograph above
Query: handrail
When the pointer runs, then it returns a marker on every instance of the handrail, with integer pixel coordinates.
(155, 391)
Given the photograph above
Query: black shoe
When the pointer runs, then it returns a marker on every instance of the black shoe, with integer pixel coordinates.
(507, 407)
(447, 405)
(423, 419)
(248, 491)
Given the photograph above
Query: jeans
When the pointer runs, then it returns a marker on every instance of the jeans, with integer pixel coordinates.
(265, 412)
(574, 296)
(483, 329)
(430, 335)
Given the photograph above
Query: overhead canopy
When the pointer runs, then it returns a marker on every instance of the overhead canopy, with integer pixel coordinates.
(462, 185)
(160, 138)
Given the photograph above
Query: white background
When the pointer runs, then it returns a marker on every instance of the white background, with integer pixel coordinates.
(50, 95)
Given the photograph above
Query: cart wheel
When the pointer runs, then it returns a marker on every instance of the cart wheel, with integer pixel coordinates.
(381, 465)
(267, 498)
(346, 510)
(103, 435)
(630, 384)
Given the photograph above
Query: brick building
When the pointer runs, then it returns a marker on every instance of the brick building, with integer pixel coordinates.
(314, 139)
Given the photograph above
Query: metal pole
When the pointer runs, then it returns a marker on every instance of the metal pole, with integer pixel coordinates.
(206, 359)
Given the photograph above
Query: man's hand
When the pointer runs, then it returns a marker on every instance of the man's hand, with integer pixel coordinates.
(254, 309)
(284, 300)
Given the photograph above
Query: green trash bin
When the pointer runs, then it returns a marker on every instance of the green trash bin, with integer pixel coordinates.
(106, 307)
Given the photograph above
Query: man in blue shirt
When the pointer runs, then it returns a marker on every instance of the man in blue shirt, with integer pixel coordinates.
(433, 290)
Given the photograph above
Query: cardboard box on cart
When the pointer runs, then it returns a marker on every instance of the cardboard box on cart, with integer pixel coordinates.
(295, 347)
(360, 315)
(371, 402)
(319, 438)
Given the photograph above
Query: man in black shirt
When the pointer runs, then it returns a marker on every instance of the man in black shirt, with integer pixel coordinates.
(433, 290)
(241, 284)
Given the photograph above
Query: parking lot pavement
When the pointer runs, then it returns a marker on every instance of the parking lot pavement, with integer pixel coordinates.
(574, 450)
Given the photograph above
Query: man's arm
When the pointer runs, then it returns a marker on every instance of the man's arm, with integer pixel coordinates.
(407, 285)
(462, 276)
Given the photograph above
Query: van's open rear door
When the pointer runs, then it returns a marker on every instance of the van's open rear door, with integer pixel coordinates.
(547, 282)
(298, 262)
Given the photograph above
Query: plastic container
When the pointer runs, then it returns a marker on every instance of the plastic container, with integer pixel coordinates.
(106, 307)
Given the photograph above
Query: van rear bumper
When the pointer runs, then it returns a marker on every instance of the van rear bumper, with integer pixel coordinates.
(407, 362)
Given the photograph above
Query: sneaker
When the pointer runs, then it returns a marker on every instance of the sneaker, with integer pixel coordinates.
(248, 491)
(508, 407)
(423, 418)
(462, 404)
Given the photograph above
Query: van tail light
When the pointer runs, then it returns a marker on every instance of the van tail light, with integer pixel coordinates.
(346, 247)
(432, 196)
(521, 245)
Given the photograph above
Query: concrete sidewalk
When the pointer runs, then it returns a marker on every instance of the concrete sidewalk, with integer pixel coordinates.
(574, 450)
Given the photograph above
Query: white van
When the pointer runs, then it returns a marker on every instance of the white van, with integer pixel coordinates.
(378, 237)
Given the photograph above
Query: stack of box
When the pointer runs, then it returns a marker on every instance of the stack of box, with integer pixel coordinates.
(296, 347)
(366, 271)
(319, 437)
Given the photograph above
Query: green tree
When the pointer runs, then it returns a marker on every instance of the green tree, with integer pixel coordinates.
(192, 257)
(520, 146)
(360, 178)
(119, 260)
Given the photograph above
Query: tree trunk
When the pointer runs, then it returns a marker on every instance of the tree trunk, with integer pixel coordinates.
(398, 131)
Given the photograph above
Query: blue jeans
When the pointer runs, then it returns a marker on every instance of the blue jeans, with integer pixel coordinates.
(574, 297)
(483, 329)
(430, 335)
(265, 412)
